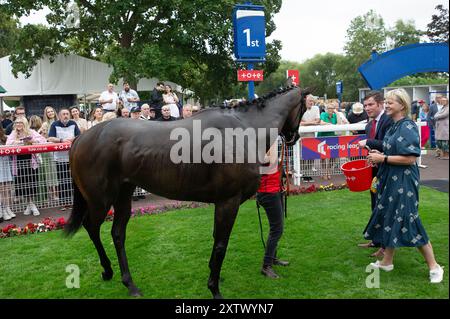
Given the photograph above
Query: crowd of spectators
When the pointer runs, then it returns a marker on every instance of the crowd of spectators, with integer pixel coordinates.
(127, 104)
(21, 175)
(330, 112)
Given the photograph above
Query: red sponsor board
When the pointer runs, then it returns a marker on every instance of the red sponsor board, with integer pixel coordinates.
(250, 75)
(295, 75)
(332, 147)
(32, 149)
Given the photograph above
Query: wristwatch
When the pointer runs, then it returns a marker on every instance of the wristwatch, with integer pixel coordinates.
(385, 159)
(60, 140)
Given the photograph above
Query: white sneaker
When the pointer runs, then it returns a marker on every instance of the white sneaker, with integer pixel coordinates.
(27, 210)
(34, 209)
(436, 274)
(10, 212)
(378, 265)
(6, 216)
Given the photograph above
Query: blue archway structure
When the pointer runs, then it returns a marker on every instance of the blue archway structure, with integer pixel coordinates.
(383, 69)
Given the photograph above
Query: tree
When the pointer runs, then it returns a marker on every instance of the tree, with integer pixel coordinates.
(365, 33)
(189, 42)
(404, 33)
(8, 33)
(437, 29)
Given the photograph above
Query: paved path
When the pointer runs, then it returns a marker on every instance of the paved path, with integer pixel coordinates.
(436, 175)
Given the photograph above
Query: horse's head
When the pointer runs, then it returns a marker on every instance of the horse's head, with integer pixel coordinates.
(298, 106)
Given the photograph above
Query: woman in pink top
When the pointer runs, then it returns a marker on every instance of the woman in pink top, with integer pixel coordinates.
(25, 167)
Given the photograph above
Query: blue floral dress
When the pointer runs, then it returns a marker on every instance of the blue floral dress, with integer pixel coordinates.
(395, 221)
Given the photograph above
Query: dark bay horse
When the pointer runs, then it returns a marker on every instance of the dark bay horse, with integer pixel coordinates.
(108, 162)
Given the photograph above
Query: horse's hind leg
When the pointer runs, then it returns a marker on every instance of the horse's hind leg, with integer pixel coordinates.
(224, 217)
(122, 212)
(93, 229)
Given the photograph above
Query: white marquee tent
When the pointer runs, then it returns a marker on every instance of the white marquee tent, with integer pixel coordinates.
(69, 74)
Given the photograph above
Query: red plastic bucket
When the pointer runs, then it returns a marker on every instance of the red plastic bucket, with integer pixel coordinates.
(358, 175)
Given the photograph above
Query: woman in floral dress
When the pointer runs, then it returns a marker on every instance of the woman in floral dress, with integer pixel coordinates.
(395, 222)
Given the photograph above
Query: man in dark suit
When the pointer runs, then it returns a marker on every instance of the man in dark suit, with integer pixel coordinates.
(377, 127)
(157, 99)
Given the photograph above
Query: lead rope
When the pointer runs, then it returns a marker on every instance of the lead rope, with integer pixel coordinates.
(285, 189)
(260, 225)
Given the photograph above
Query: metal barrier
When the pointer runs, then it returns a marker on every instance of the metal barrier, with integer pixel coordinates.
(313, 168)
(30, 174)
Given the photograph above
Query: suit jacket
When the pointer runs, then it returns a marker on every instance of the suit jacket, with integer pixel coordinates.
(376, 143)
(382, 126)
(431, 114)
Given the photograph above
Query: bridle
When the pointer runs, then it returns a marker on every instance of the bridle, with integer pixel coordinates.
(297, 120)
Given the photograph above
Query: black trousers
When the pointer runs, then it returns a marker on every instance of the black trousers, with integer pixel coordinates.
(65, 182)
(273, 205)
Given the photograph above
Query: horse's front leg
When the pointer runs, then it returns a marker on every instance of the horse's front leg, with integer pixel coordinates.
(224, 217)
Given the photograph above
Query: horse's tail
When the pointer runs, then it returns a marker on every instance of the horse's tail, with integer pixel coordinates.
(79, 211)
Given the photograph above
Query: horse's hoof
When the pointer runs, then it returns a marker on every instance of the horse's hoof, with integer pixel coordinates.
(217, 296)
(135, 293)
(107, 275)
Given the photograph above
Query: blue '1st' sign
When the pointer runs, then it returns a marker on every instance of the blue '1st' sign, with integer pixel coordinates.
(249, 33)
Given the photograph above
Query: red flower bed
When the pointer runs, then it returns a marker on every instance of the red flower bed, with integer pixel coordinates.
(49, 224)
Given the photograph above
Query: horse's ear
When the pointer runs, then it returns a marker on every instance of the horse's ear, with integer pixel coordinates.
(289, 82)
(306, 92)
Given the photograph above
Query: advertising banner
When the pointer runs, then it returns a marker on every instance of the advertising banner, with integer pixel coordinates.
(332, 147)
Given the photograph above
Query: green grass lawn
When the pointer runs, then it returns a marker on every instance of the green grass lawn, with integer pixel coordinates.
(169, 253)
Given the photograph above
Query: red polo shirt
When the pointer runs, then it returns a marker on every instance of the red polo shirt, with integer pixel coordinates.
(270, 183)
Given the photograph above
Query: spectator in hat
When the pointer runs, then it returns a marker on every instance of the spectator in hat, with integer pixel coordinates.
(152, 113)
(357, 115)
(135, 113)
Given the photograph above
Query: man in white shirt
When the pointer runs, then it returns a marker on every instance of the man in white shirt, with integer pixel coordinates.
(310, 117)
(129, 96)
(108, 99)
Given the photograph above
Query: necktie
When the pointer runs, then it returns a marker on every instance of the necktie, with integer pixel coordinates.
(373, 129)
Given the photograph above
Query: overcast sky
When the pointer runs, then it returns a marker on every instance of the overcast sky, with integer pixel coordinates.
(310, 27)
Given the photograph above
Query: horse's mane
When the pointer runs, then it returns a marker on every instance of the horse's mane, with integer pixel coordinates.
(259, 102)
